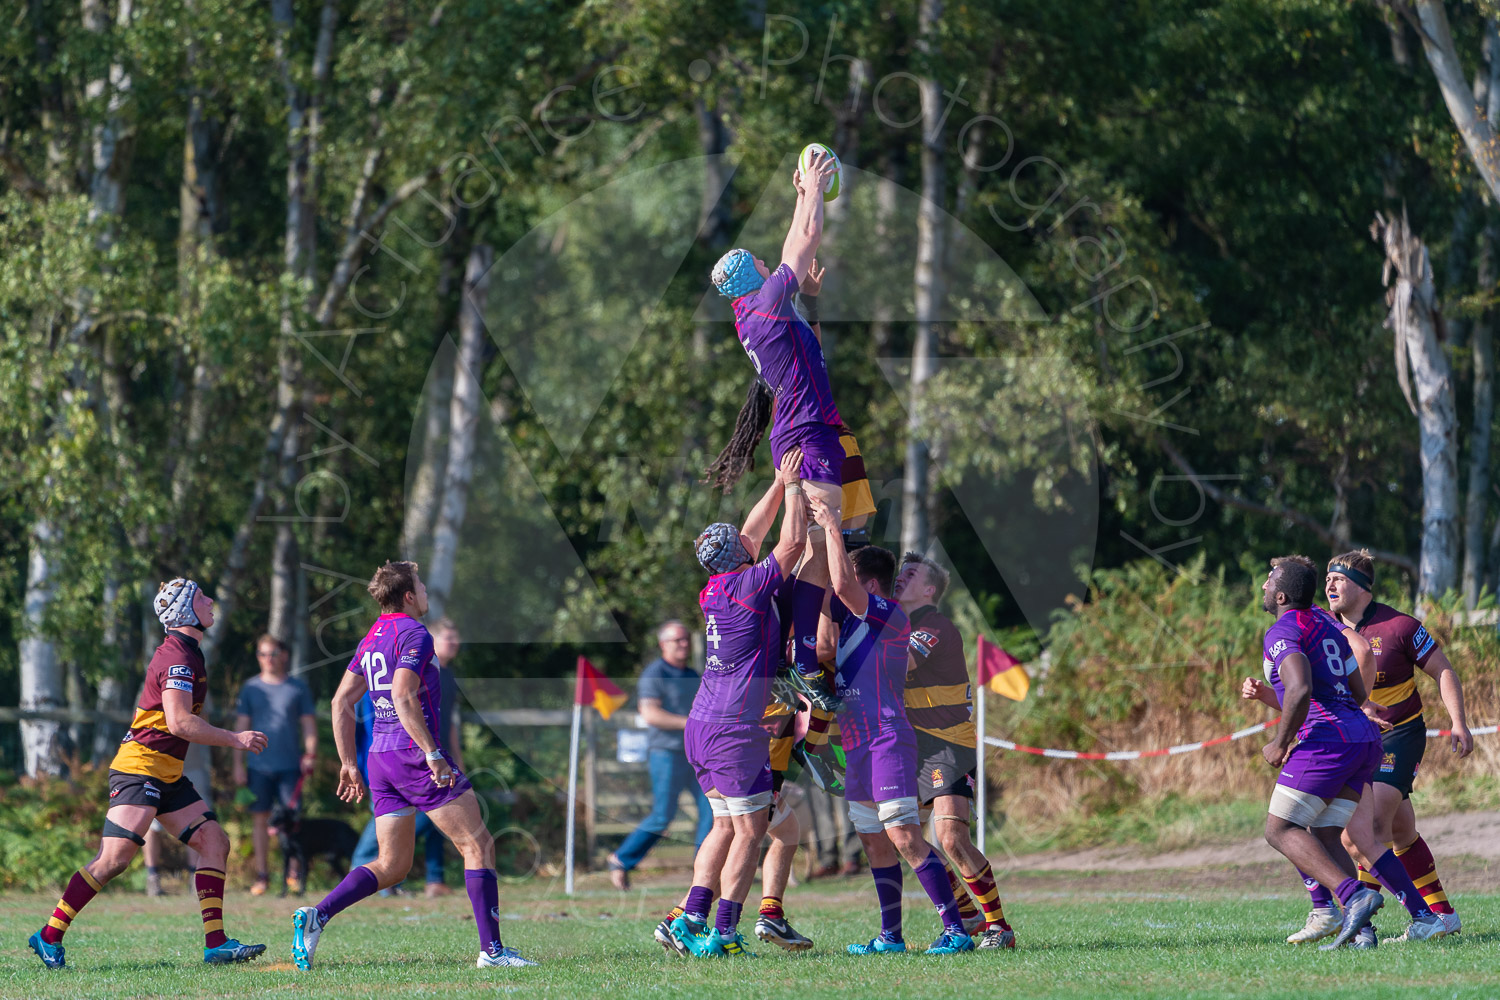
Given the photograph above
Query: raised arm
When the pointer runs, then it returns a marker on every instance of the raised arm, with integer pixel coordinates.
(758, 523)
(793, 525)
(846, 586)
(806, 231)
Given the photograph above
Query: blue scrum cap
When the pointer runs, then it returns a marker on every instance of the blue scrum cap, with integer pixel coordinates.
(735, 274)
(719, 548)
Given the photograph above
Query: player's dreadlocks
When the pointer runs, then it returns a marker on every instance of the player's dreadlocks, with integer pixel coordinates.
(738, 455)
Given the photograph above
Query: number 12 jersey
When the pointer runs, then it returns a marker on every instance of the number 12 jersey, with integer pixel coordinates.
(397, 641)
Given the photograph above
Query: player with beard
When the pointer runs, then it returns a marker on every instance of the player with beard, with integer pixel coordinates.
(1401, 646)
(1325, 749)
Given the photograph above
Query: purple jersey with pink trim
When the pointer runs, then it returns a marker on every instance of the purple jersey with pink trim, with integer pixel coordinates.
(394, 642)
(871, 669)
(788, 357)
(1333, 716)
(742, 631)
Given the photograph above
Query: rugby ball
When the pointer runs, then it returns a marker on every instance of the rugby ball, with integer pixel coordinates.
(832, 185)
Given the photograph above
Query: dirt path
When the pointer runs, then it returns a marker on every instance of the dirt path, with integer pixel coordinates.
(1474, 834)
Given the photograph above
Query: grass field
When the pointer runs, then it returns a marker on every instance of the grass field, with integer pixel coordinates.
(1154, 934)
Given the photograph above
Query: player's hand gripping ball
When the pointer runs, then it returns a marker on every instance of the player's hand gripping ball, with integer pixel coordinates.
(835, 179)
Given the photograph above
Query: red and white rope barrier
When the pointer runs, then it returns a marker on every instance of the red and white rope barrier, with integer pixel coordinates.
(1179, 748)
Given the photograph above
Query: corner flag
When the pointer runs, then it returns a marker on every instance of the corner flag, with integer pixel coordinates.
(1001, 672)
(597, 690)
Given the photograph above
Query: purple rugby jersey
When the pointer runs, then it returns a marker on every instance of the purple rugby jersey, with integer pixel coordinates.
(742, 631)
(1332, 716)
(788, 357)
(871, 669)
(397, 640)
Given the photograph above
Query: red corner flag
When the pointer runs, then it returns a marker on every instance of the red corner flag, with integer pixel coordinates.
(597, 690)
(1001, 672)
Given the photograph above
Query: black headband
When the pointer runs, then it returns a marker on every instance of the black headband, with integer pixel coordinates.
(1353, 574)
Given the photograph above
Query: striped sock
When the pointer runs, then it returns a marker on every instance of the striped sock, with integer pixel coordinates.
(82, 887)
(988, 895)
(1367, 879)
(1417, 859)
(770, 906)
(674, 913)
(966, 908)
(210, 885)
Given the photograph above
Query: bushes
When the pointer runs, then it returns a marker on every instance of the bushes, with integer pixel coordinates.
(49, 829)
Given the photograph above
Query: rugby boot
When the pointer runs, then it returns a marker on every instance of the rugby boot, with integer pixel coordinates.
(823, 772)
(951, 943)
(1322, 922)
(1361, 907)
(502, 958)
(1365, 940)
(730, 947)
(975, 924)
(880, 945)
(1451, 921)
(691, 935)
(306, 929)
(50, 954)
(781, 933)
(997, 937)
(1428, 928)
(663, 935)
(232, 951)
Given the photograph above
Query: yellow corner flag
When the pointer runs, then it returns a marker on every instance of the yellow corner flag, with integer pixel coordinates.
(1001, 672)
(597, 690)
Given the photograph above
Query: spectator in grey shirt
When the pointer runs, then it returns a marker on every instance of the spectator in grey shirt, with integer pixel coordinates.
(281, 707)
(665, 696)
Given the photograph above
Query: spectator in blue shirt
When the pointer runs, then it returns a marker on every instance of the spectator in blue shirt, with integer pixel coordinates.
(664, 698)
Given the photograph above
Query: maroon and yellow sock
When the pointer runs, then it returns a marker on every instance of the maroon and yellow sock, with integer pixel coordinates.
(210, 884)
(987, 894)
(674, 913)
(770, 906)
(817, 727)
(966, 908)
(1367, 879)
(82, 887)
(1419, 864)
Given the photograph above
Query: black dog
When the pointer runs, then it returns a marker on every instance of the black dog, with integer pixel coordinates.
(306, 839)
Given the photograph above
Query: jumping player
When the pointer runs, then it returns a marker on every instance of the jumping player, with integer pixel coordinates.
(787, 355)
(146, 782)
(939, 703)
(724, 740)
(409, 770)
(1314, 679)
(880, 747)
(1400, 646)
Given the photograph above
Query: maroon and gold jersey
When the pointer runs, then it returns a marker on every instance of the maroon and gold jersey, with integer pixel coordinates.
(150, 748)
(939, 698)
(1401, 645)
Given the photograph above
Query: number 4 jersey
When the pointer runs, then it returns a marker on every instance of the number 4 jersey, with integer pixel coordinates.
(396, 641)
(1333, 715)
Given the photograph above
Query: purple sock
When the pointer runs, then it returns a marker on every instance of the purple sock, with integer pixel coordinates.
(1392, 874)
(807, 605)
(888, 891)
(484, 896)
(1347, 889)
(728, 920)
(1322, 899)
(934, 879)
(699, 899)
(359, 883)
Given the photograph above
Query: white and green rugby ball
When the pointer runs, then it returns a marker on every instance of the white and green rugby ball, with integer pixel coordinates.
(835, 182)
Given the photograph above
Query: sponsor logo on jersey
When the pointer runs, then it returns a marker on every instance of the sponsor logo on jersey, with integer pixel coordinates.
(177, 684)
(922, 642)
(383, 704)
(1375, 644)
(181, 670)
(152, 790)
(1277, 649)
(1422, 642)
(713, 663)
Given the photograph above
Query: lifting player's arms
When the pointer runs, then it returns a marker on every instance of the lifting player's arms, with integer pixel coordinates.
(146, 782)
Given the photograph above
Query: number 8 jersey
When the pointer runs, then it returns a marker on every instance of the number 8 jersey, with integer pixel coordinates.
(397, 640)
(1333, 716)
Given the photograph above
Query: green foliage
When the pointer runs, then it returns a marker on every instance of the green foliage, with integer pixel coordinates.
(50, 829)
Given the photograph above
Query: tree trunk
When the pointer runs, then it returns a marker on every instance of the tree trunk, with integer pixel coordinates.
(1422, 365)
(1476, 129)
(916, 529)
(42, 685)
(883, 312)
(463, 423)
(1482, 344)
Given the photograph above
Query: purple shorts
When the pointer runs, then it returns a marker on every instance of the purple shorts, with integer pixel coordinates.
(732, 758)
(401, 778)
(885, 768)
(1324, 769)
(822, 454)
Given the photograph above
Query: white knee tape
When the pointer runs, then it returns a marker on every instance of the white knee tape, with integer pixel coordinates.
(865, 817)
(898, 812)
(747, 804)
(1300, 808)
(1337, 813)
